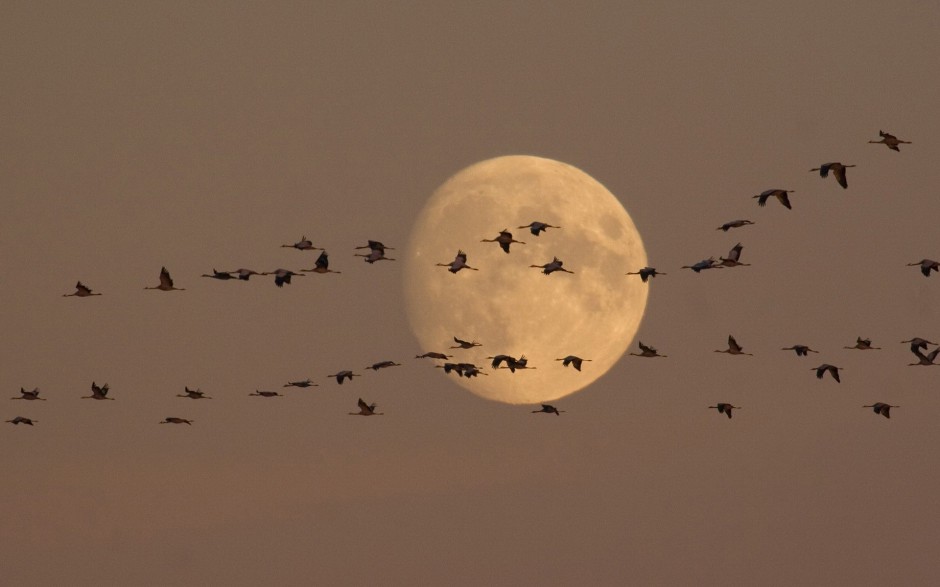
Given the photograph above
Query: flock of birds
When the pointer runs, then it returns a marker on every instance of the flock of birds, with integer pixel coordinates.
(377, 252)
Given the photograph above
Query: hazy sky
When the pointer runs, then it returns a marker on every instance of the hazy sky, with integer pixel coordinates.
(201, 135)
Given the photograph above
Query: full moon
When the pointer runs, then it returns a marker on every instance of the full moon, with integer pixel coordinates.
(510, 307)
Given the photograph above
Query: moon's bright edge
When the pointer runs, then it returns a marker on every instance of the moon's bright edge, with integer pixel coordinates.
(510, 307)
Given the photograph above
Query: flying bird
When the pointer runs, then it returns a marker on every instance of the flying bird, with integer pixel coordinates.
(29, 395)
(322, 265)
(467, 370)
(342, 375)
(383, 365)
(572, 360)
(646, 273)
(21, 420)
(173, 420)
(734, 224)
(536, 227)
(366, 409)
(882, 408)
(305, 383)
(304, 244)
(266, 393)
(548, 409)
(220, 275)
(821, 370)
(918, 344)
(927, 359)
(837, 169)
(890, 140)
(733, 348)
(244, 274)
(724, 408)
(781, 195)
(282, 276)
(193, 393)
(733, 255)
(166, 282)
(459, 262)
(504, 239)
(98, 392)
(512, 363)
(704, 264)
(555, 265)
(433, 355)
(81, 291)
(374, 255)
(647, 351)
(801, 349)
(863, 344)
(376, 246)
(465, 344)
(926, 266)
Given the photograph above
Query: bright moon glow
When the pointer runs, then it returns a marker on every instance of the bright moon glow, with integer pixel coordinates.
(510, 307)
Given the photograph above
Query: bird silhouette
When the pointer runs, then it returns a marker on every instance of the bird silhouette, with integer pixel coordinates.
(734, 224)
(536, 227)
(220, 275)
(837, 169)
(555, 265)
(459, 262)
(548, 409)
(863, 344)
(343, 375)
(193, 394)
(374, 255)
(366, 409)
(260, 393)
(433, 355)
(383, 365)
(322, 265)
(724, 408)
(733, 348)
(926, 266)
(304, 244)
(166, 282)
(704, 264)
(21, 420)
(781, 195)
(927, 359)
(646, 273)
(305, 383)
(917, 344)
(81, 291)
(504, 239)
(822, 369)
(882, 408)
(376, 246)
(890, 141)
(572, 360)
(733, 257)
(98, 392)
(282, 276)
(174, 420)
(801, 349)
(465, 344)
(647, 351)
(29, 395)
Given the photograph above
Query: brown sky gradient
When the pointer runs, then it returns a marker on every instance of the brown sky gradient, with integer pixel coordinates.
(205, 136)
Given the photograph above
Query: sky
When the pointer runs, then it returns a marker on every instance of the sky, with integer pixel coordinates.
(204, 135)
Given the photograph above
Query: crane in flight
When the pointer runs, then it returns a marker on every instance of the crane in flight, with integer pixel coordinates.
(98, 392)
(822, 369)
(536, 227)
(166, 282)
(781, 195)
(305, 383)
(81, 291)
(322, 265)
(366, 409)
(724, 408)
(260, 393)
(220, 275)
(863, 344)
(175, 420)
(29, 395)
(734, 224)
(882, 409)
(282, 276)
(572, 360)
(548, 409)
(801, 349)
(21, 420)
(459, 262)
(304, 244)
(555, 265)
(926, 266)
(433, 355)
(918, 344)
(193, 393)
(647, 351)
(504, 239)
(465, 344)
(733, 348)
(837, 169)
(733, 257)
(343, 375)
(927, 359)
(646, 273)
(890, 141)
(709, 263)
(383, 365)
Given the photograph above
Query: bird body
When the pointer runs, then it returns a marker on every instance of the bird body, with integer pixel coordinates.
(374, 255)
(261, 393)
(343, 375)
(572, 360)
(98, 392)
(376, 246)
(801, 350)
(29, 395)
(734, 223)
(193, 393)
(781, 195)
(724, 408)
(459, 262)
(890, 141)
(465, 344)
(305, 383)
(166, 282)
(366, 409)
(244, 274)
(926, 266)
(927, 359)
(822, 369)
(504, 239)
(548, 409)
(304, 244)
(220, 275)
(647, 351)
(536, 227)
(704, 264)
(863, 344)
(882, 408)
(322, 265)
(282, 276)
(81, 291)
(383, 365)
(733, 257)
(21, 420)
(837, 169)
(174, 420)
(733, 348)
(646, 273)
(555, 265)
(918, 344)
(433, 355)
